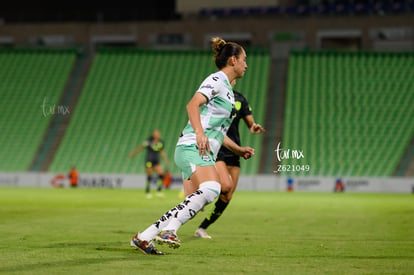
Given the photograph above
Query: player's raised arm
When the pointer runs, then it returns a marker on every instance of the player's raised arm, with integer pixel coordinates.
(136, 151)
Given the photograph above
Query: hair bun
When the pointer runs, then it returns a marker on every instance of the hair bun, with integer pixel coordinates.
(224, 50)
(217, 43)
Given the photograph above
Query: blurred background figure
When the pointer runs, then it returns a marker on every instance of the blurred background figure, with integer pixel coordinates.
(339, 186)
(155, 148)
(73, 177)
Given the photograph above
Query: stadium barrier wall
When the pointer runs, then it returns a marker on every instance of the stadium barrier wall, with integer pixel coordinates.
(249, 183)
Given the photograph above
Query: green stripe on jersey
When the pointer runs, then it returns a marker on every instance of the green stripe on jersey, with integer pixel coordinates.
(222, 103)
(203, 110)
(228, 85)
(214, 134)
(215, 122)
(188, 129)
(210, 133)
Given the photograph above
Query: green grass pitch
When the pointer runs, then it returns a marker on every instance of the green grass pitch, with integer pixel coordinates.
(87, 231)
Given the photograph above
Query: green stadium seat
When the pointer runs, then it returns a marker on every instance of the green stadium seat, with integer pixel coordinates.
(27, 77)
(351, 113)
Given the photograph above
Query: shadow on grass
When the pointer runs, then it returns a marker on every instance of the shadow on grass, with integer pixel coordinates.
(88, 245)
(128, 254)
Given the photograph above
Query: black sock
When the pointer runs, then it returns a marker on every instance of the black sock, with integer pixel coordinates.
(147, 184)
(159, 182)
(218, 210)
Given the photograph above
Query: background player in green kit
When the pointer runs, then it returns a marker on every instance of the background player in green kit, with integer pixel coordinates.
(211, 111)
(155, 149)
(228, 163)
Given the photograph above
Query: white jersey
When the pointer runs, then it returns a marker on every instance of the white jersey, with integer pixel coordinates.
(216, 115)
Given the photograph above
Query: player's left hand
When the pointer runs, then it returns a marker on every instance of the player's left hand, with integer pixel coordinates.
(257, 129)
(246, 152)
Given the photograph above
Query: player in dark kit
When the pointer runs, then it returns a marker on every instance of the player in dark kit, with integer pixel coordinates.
(155, 149)
(228, 164)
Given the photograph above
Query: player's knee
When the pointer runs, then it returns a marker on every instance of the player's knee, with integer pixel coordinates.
(226, 197)
(211, 189)
(226, 187)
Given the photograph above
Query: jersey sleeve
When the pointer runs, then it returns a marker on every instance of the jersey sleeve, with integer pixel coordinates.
(209, 88)
(245, 107)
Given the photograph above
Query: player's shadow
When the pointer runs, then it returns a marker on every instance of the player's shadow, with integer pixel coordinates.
(84, 245)
(127, 254)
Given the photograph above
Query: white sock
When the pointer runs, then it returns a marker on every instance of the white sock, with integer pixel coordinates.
(177, 216)
(207, 193)
(159, 225)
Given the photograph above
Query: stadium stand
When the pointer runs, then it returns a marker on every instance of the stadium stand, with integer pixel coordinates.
(350, 113)
(31, 83)
(129, 92)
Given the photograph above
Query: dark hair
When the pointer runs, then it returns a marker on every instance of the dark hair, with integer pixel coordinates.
(224, 50)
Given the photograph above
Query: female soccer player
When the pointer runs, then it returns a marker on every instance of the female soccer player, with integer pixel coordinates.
(155, 149)
(228, 163)
(210, 111)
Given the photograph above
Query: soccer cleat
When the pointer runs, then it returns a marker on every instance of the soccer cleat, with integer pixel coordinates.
(202, 233)
(168, 237)
(145, 246)
(148, 196)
